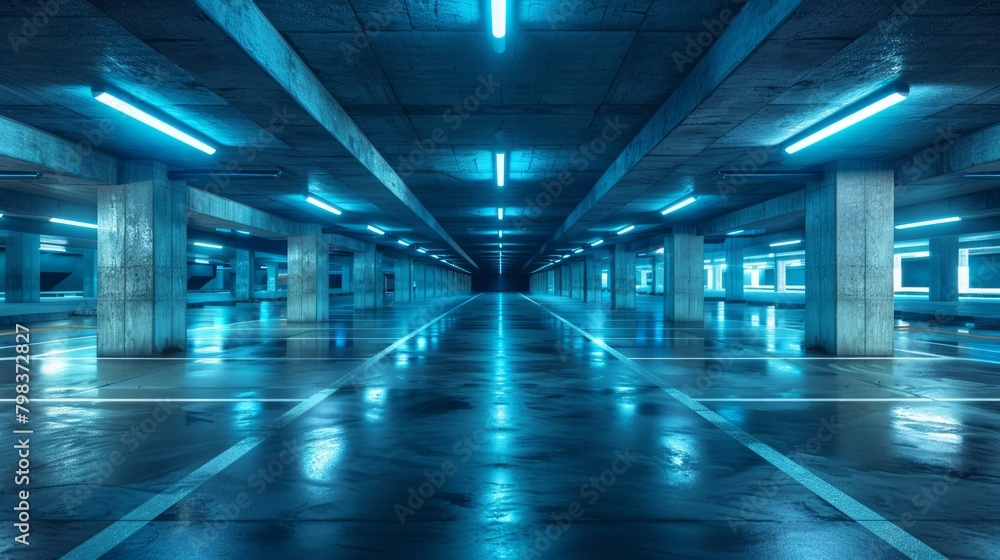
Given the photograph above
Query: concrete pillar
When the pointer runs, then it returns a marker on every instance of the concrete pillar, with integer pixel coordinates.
(368, 279)
(404, 279)
(592, 289)
(89, 264)
(622, 277)
(22, 276)
(272, 277)
(308, 278)
(849, 259)
(684, 271)
(576, 287)
(141, 263)
(419, 270)
(567, 281)
(240, 269)
(734, 272)
(943, 268)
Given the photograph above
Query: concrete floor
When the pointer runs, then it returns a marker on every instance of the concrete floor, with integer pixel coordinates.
(506, 414)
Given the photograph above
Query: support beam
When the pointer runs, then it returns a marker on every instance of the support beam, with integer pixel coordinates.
(244, 22)
(684, 288)
(420, 292)
(622, 277)
(142, 263)
(31, 149)
(733, 277)
(22, 274)
(577, 283)
(368, 279)
(308, 277)
(89, 273)
(943, 268)
(782, 208)
(849, 269)
(593, 284)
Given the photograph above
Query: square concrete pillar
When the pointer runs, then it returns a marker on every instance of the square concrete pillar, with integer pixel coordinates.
(404, 279)
(622, 277)
(849, 259)
(733, 278)
(308, 278)
(368, 279)
(420, 283)
(943, 268)
(557, 282)
(272, 278)
(567, 281)
(592, 285)
(684, 274)
(22, 276)
(576, 287)
(240, 270)
(141, 263)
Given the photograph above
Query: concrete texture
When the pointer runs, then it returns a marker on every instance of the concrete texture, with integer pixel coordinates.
(89, 259)
(593, 291)
(849, 233)
(368, 279)
(684, 276)
(734, 271)
(622, 277)
(420, 290)
(578, 268)
(404, 279)
(22, 281)
(240, 284)
(943, 268)
(141, 263)
(308, 278)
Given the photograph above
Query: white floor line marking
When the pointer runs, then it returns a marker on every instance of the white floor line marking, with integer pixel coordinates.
(164, 399)
(138, 518)
(955, 346)
(40, 342)
(891, 533)
(804, 358)
(215, 359)
(918, 353)
(849, 399)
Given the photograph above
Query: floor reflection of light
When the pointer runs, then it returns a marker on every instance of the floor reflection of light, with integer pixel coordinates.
(375, 395)
(755, 320)
(680, 456)
(402, 359)
(421, 343)
(321, 455)
(501, 494)
(246, 412)
(918, 426)
(53, 365)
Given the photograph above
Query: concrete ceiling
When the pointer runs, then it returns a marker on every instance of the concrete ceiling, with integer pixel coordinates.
(571, 72)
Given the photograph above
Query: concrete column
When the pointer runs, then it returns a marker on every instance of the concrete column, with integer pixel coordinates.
(272, 278)
(367, 279)
(849, 259)
(567, 281)
(943, 268)
(734, 272)
(622, 277)
(89, 273)
(404, 279)
(592, 290)
(308, 278)
(684, 271)
(141, 263)
(576, 286)
(550, 282)
(23, 279)
(240, 269)
(419, 270)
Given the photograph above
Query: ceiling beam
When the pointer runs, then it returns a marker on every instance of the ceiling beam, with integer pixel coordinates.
(951, 154)
(243, 21)
(749, 30)
(22, 145)
(757, 215)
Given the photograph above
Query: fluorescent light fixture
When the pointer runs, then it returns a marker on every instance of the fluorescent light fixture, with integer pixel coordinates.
(421, 250)
(773, 175)
(501, 172)
(625, 230)
(241, 232)
(499, 213)
(72, 223)
(659, 251)
(20, 175)
(320, 204)
(878, 103)
(501, 234)
(436, 257)
(596, 243)
(1, 215)
(499, 12)
(223, 230)
(374, 229)
(930, 222)
(148, 119)
(784, 243)
(565, 256)
(687, 201)
(577, 251)
(207, 245)
(206, 174)
(980, 175)
(54, 248)
(201, 261)
(501, 245)
(403, 243)
(737, 232)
